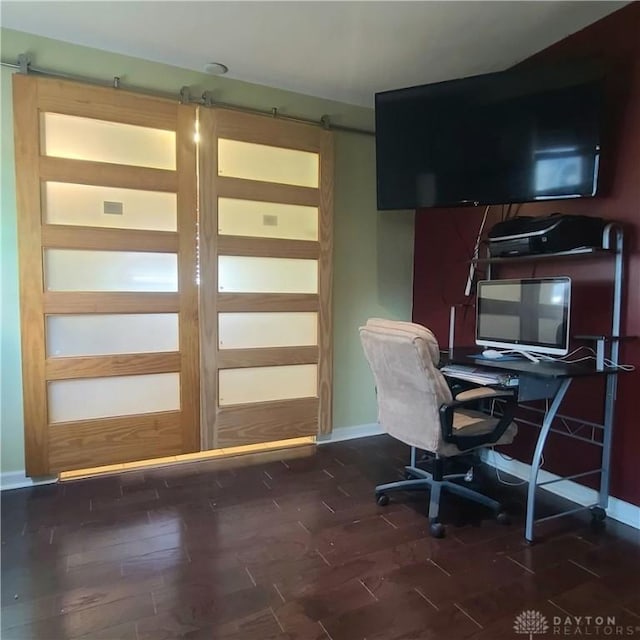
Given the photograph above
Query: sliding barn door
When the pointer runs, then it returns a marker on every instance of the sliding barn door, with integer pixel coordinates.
(265, 273)
(106, 186)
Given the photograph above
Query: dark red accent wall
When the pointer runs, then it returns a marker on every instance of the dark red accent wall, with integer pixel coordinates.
(444, 240)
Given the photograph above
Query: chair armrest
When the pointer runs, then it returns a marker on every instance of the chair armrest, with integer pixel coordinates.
(481, 393)
(471, 441)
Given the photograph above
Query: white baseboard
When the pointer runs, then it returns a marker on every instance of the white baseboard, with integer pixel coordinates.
(618, 509)
(350, 433)
(18, 480)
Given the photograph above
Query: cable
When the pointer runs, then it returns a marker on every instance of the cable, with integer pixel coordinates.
(592, 356)
(506, 482)
(583, 359)
(606, 361)
(545, 356)
(472, 266)
(624, 367)
(501, 480)
(510, 459)
(589, 349)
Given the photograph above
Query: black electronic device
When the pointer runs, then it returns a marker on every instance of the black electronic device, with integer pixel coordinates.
(546, 234)
(513, 136)
(525, 315)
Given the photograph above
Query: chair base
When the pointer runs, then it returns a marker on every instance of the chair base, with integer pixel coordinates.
(436, 483)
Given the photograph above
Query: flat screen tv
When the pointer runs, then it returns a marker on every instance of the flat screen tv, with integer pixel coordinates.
(526, 315)
(498, 138)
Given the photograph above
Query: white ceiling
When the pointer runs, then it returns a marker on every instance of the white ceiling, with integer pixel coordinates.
(343, 51)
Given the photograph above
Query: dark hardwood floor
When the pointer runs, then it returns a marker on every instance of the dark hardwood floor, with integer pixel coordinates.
(296, 549)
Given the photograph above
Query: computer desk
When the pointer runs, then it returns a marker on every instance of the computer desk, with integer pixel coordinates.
(550, 381)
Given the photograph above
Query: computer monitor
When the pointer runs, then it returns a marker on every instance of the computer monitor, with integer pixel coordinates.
(527, 315)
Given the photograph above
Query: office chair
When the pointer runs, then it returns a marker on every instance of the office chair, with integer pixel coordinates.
(415, 405)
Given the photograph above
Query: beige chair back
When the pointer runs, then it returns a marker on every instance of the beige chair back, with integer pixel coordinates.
(403, 358)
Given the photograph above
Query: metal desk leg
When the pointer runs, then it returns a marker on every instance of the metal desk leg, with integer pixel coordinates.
(609, 405)
(537, 456)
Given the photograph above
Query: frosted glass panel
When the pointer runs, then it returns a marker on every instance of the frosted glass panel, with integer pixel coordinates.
(118, 396)
(80, 270)
(268, 164)
(267, 219)
(102, 141)
(255, 330)
(261, 384)
(94, 335)
(267, 275)
(91, 206)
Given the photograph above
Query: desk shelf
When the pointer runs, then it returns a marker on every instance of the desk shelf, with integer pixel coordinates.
(584, 252)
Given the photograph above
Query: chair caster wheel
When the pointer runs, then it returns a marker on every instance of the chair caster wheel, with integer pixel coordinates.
(382, 500)
(502, 517)
(436, 530)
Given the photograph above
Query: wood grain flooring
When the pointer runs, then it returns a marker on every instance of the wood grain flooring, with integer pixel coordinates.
(298, 550)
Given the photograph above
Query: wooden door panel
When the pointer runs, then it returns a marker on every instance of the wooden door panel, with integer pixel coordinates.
(60, 236)
(60, 96)
(116, 365)
(106, 175)
(267, 421)
(227, 187)
(252, 421)
(109, 440)
(27, 151)
(266, 357)
(94, 443)
(101, 302)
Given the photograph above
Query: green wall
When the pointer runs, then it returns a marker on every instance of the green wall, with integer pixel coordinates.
(12, 447)
(373, 260)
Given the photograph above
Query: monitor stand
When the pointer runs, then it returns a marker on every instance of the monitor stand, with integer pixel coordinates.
(527, 355)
